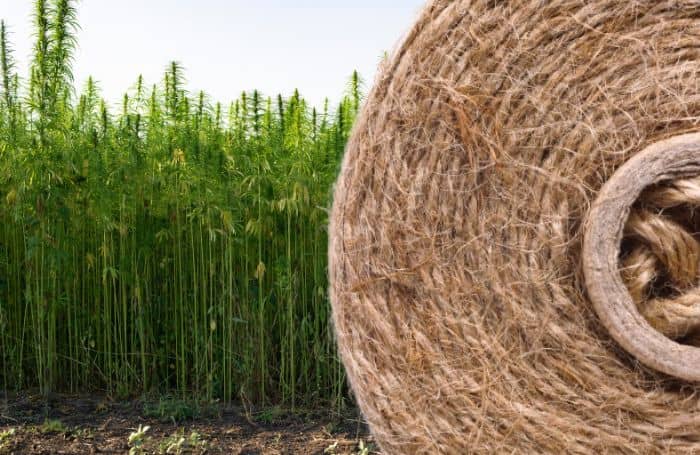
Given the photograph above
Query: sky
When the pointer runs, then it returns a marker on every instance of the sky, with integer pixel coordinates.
(227, 46)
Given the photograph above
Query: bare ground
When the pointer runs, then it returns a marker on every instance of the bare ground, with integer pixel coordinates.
(66, 424)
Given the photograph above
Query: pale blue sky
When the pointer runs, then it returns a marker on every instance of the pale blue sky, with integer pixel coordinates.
(227, 46)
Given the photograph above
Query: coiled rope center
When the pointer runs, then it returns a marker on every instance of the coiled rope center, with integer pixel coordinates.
(641, 256)
(660, 259)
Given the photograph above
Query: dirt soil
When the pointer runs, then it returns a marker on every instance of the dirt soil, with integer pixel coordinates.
(29, 424)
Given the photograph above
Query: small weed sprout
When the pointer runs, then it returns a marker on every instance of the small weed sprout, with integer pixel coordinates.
(137, 439)
(175, 447)
(177, 443)
(52, 426)
(196, 440)
(362, 449)
(6, 437)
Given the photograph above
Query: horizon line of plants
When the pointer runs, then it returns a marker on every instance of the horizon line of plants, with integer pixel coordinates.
(174, 246)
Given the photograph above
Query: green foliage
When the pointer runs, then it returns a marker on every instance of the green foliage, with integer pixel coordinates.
(6, 438)
(173, 409)
(161, 247)
(269, 415)
(137, 439)
(180, 443)
(53, 426)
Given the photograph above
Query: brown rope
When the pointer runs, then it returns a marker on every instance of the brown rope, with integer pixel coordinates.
(461, 303)
(662, 270)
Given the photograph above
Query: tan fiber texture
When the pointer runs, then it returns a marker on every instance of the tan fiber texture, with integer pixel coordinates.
(661, 265)
(459, 301)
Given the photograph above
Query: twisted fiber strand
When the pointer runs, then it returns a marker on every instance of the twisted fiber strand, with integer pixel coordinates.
(675, 317)
(668, 249)
(675, 193)
(639, 270)
(458, 300)
(671, 243)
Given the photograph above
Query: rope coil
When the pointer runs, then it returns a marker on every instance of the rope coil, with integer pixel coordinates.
(661, 270)
(481, 301)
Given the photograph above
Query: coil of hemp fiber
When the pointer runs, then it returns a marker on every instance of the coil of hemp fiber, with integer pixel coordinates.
(514, 253)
